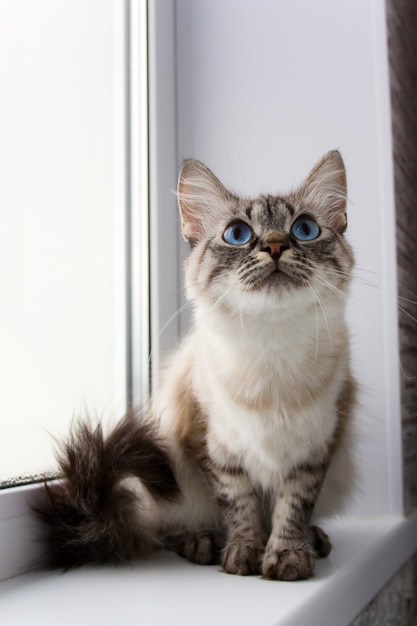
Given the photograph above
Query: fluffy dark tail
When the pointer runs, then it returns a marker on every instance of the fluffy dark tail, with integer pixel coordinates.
(89, 515)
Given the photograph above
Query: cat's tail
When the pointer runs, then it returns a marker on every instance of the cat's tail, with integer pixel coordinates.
(90, 514)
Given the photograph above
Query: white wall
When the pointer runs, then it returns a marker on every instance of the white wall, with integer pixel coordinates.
(265, 88)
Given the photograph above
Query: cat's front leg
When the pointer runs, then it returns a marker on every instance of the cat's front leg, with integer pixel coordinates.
(293, 544)
(241, 514)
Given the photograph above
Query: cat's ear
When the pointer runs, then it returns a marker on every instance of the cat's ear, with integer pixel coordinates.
(324, 190)
(201, 199)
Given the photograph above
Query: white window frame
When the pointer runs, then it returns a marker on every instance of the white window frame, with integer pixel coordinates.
(395, 535)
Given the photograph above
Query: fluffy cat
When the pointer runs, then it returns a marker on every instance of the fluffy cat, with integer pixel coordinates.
(226, 464)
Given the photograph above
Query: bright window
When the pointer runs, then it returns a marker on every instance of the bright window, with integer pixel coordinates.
(73, 139)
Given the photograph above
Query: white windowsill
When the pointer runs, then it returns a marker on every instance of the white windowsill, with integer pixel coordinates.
(167, 589)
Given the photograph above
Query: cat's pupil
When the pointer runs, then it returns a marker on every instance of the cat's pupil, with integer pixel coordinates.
(306, 228)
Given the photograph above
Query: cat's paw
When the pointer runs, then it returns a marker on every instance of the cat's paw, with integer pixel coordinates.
(241, 558)
(202, 547)
(288, 564)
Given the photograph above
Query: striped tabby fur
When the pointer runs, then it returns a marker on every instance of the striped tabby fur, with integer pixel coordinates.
(228, 462)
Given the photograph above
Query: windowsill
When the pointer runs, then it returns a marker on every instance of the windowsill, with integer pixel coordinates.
(167, 589)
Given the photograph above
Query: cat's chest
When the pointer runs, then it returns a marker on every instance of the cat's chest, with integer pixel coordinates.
(269, 444)
(269, 410)
(269, 392)
(271, 371)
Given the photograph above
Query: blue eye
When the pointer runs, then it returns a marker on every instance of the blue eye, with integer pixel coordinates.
(237, 234)
(305, 229)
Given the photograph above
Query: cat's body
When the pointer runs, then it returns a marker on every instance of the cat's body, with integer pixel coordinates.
(252, 406)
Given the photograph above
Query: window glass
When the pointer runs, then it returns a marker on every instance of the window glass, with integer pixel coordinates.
(63, 216)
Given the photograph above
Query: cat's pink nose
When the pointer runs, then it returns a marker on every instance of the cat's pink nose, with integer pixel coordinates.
(274, 248)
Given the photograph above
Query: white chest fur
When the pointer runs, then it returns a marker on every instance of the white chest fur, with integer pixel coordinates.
(270, 392)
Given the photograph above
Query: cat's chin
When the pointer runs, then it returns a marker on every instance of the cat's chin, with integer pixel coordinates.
(277, 295)
(277, 282)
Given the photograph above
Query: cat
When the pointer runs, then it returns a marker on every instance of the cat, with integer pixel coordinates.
(226, 463)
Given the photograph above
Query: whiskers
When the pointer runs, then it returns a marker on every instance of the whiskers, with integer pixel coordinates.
(166, 325)
(331, 286)
(318, 301)
(237, 293)
(253, 271)
(402, 303)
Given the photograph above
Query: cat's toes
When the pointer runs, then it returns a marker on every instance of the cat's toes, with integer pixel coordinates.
(288, 564)
(201, 547)
(321, 542)
(241, 559)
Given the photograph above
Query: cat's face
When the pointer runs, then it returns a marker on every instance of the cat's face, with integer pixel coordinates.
(269, 252)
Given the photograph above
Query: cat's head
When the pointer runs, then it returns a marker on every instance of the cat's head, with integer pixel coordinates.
(271, 251)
